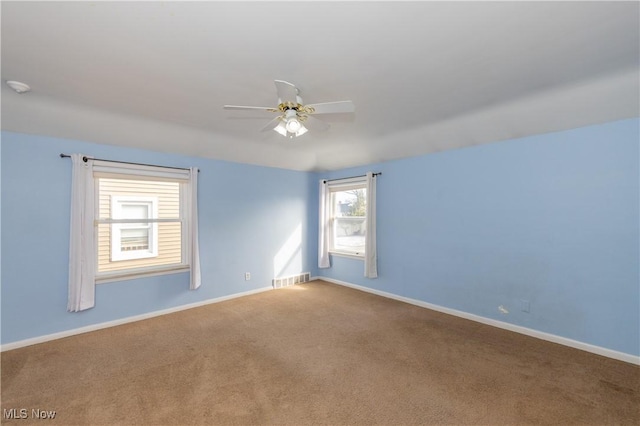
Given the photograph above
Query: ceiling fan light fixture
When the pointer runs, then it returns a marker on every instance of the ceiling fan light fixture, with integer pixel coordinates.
(281, 128)
(293, 125)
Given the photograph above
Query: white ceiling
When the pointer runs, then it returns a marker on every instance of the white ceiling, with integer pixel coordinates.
(424, 76)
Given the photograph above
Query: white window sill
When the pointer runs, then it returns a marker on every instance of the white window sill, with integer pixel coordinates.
(349, 255)
(131, 275)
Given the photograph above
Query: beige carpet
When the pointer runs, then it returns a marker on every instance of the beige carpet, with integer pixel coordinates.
(315, 354)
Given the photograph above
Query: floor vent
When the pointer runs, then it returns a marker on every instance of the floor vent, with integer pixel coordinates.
(291, 280)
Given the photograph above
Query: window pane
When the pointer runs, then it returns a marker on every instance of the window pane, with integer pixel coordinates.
(349, 234)
(349, 220)
(169, 247)
(350, 203)
(134, 239)
(123, 246)
(134, 211)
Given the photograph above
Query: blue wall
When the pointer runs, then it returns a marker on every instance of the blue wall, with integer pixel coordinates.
(552, 219)
(247, 215)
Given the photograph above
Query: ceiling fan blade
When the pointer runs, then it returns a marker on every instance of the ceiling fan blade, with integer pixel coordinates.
(314, 124)
(332, 107)
(271, 124)
(250, 108)
(287, 92)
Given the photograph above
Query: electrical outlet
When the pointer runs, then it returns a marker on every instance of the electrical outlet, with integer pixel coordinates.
(247, 276)
(525, 306)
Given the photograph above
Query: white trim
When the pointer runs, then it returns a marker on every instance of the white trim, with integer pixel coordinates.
(131, 274)
(346, 254)
(100, 326)
(111, 221)
(347, 183)
(610, 353)
(621, 356)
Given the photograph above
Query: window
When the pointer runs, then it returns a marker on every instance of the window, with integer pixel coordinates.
(134, 240)
(129, 220)
(347, 221)
(141, 223)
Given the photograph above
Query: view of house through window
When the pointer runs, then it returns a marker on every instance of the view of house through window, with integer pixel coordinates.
(134, 240)
(139, 224)
(348, 219)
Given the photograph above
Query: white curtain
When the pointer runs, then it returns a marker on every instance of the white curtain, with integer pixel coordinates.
(194, 251)
(370, 252)
(82, 267)
(323, 234)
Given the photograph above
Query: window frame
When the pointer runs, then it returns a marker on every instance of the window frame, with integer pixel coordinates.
(142, 173)
(332, 189)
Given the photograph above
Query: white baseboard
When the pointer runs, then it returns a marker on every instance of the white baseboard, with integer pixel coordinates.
(621, 356)
(94, 327)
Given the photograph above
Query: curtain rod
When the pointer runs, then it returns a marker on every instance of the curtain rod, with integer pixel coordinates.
(85, 159)
(350, 177)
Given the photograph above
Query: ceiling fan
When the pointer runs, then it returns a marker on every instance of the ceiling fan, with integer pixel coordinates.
(295, 118)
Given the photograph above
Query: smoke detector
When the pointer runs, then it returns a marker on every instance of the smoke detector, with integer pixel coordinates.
(18, 87)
